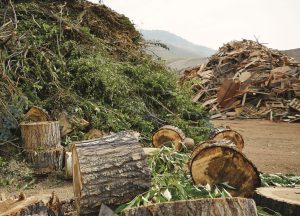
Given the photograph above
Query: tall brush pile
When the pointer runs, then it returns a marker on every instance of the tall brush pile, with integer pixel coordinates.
(86, 60)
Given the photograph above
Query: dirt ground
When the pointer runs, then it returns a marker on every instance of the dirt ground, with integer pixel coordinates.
(274, 147)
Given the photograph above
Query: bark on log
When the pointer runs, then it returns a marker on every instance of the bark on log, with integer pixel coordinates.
(167, 135)
(216, 163)
(110, 170)
(199, 207)
(30, 206)
(46, 161)
(283, 200)
(231, 135)
(37, 114)
(40, 135)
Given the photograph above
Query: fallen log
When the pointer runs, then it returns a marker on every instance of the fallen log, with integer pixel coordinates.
(217, 163)
(231, 135)
(283, 200)
(110, 170)
(168, 135)
(199, 207)
(40, 135)
(34, 205)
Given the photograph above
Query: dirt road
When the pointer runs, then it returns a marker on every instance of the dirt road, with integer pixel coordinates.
(273, 147)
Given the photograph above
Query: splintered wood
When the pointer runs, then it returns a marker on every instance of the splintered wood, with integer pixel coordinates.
(245, 79)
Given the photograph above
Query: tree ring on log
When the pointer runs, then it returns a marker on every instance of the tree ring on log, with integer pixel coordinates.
(167, 135)
(216, 164)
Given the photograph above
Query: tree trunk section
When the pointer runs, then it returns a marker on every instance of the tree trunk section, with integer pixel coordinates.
(111, 170)
(37, 114)
(231, 135)
(40, 135)
(283, 200)
(199, 207)
(168, 135)
(46, 161)
(216, 163)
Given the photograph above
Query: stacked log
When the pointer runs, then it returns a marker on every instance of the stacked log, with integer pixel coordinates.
(220, 160)
(111, 170)
(42, 147)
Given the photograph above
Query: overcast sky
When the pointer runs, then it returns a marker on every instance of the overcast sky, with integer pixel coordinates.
(214, 22)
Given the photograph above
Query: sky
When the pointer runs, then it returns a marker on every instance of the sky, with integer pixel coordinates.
(214, 22)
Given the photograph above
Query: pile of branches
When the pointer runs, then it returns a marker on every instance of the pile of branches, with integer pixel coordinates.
(248, 80)
(85, 60)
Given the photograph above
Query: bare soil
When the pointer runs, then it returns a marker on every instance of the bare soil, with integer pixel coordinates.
(274, 147)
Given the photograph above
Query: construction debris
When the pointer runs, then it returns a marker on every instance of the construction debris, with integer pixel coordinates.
(245, 79)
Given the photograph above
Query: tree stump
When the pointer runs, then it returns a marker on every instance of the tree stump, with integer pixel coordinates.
(231, 135)
(199, 207)
(217, 163)
(42, 146)
(40, 135)
(283, 200)
(111, 170)
(167, 135)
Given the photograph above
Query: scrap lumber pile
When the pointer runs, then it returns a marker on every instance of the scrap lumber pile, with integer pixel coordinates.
(248, 80)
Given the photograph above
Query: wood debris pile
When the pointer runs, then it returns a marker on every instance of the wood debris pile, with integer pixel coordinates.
(245, 79)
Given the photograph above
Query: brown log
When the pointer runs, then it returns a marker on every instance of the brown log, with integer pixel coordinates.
(232, 135)
(280, 199)
(199, 207)
(40, 135)
(110, 170)
(189, 143)
(46, 161)
(34, 205)
(37, 114)
(217, 163)
(167, 135)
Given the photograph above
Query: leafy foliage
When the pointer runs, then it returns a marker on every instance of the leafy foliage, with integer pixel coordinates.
(281, 180)
(171, 181)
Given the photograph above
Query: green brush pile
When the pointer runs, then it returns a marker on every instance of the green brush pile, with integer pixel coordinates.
(87, 60)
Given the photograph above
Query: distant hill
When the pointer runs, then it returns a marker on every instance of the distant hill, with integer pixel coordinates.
(295, 53)
(181, 53)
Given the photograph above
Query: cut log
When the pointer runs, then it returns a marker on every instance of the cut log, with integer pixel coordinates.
(30, 206)
(216, 164)
(189, 143)
(68, 165)
(167, 135)
(68, 123)
(46, 161)
(110, 170)
(204, 144)
(40, 135)
(283, 200)
(199, 207)
(37, 114)
(232, 135)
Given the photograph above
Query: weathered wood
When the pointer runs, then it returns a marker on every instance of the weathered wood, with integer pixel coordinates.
(30, 206)
(110, 170)
(46, 161)
(167, 135)
(189, 143)
(232, 135)
(40, 135)
(216, 163)
(37, 114)
(283, 200)
(199, 207)
(150, 151)
(68, 165)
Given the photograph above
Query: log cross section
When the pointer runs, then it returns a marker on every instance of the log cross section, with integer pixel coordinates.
(110, 170)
